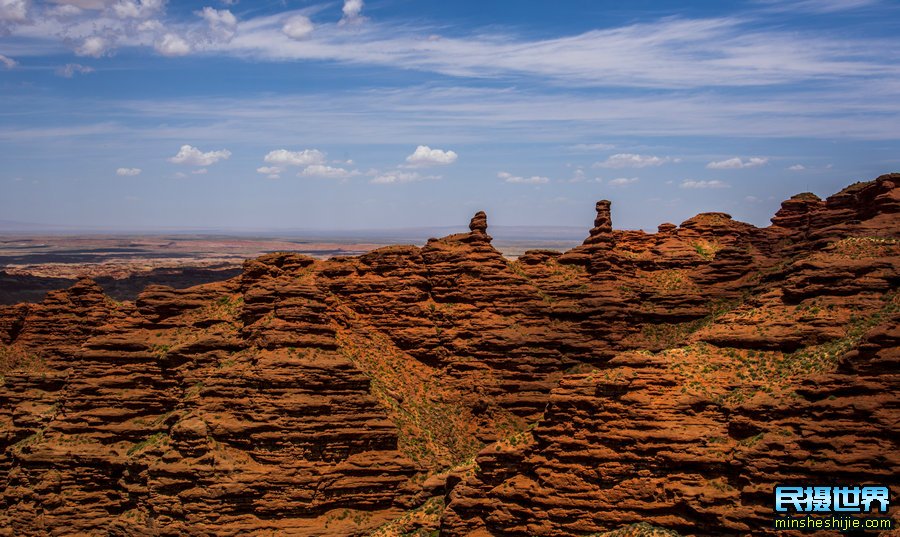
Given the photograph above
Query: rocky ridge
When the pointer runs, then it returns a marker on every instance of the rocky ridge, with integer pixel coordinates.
(669, 378)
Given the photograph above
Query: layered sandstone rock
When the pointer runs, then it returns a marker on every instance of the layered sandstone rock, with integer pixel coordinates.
(794, 384)
(180, 419)
(669, 378)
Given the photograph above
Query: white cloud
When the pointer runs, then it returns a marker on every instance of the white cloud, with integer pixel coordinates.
(298, 27)
(191, 156)
(622, 181)
(425, 156)
(752, 199)
(817, 6)
(222, 17)
(130, 9)
(13, 10)
(65, 11)
(321, 170)
(515, 179)
(151, 26)
(307, 157)
(715, 183)
(128, 172)
(588, 148)
(797, 168)
(667, 52)
(737, 163)
(271, 172)
(71, 69)
(201, 171)
(94, 46)
(222, 22)
(398, 176)
(352, 10)
(631, 160)
(8, 62)
(172, 45)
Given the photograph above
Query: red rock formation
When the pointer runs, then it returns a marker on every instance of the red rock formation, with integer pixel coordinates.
(181, 420)
(671, 378)
(796, 384)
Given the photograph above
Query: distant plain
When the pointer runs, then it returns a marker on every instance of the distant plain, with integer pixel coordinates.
(31, 264)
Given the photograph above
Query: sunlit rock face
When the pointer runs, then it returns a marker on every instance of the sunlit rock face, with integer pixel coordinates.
(670, 378)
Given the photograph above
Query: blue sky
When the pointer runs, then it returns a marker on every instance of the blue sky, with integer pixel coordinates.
(141, 114)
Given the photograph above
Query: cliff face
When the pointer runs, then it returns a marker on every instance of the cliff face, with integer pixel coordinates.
(670, 378)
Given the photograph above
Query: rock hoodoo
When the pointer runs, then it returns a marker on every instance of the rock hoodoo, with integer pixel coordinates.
(478, 224)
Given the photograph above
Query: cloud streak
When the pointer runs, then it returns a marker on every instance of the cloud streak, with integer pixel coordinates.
(399, 176)
(692, 184)
(737, 163)
(283, 157)
(71, 69)
(667, 53)
(516, 179)
(622, 181)
(632, 160)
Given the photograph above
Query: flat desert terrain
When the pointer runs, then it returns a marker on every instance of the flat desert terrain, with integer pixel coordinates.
(31, 265)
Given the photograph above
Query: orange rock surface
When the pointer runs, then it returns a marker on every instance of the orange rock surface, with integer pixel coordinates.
(670, 378)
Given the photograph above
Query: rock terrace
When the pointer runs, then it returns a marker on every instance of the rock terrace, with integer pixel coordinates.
(669, 378)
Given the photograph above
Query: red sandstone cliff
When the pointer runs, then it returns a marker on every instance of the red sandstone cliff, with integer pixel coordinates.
(669, 378)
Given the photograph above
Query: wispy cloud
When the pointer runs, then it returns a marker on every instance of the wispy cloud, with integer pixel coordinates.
(14, 10)
(633, 160)
(715, 183)
(8, 62)
(272, 172)
(516, 179)
(666, 53)
(128, 172)
(622, 181)
(590, 148)
(399, 176)
(466, 115)
(69, 70)
(328, 172)
(305, 157)
(737, 163)
(816, 6)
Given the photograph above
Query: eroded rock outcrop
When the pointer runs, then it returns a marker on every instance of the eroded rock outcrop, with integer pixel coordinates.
(180, 419)
(669, 378)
